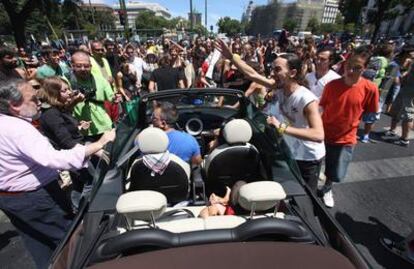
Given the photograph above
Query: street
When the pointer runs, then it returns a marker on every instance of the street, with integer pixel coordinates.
(374, 201)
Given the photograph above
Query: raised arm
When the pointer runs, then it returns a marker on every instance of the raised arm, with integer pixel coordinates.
(242, 66)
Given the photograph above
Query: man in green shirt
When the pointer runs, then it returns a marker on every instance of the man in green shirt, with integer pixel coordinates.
(96, 90)
(53, 66)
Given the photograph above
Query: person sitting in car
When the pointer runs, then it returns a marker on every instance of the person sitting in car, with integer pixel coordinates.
(181, 144)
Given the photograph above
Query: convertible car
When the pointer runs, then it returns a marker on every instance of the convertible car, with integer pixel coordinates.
(135, 218)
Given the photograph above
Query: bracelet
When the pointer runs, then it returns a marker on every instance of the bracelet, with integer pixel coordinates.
(282, 128)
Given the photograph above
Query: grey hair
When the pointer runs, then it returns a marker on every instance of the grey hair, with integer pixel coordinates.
(168, 113)
(9, 93)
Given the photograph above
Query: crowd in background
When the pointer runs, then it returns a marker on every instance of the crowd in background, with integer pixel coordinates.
(315, 94)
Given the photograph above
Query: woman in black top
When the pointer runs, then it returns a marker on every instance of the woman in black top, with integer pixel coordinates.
(57, 122)
(62, 129)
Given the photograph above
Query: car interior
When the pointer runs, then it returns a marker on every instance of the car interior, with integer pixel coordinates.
(136, 211)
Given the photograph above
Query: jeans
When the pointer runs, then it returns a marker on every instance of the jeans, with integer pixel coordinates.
(42, 218)
(337, 160)
(310, 172)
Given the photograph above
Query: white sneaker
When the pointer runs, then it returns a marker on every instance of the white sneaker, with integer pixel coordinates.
(328, 199)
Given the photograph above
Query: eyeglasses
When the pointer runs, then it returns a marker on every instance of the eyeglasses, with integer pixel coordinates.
(355, 69)
(86, 66)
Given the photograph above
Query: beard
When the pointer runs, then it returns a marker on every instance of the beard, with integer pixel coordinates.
(30, 113)
(10, 65)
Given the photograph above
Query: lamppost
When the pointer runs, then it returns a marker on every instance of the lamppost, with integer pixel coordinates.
(191, 15)
(205, 14)
(122, 7)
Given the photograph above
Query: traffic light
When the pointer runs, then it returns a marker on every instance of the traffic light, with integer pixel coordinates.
(122, 16)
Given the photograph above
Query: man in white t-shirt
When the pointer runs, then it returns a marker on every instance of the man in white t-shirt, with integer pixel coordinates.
(323, 74)
(137, 64)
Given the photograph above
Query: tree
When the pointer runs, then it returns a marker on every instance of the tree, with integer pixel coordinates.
(18, 12)
(381, 11)
(386, 9)
(32, 14)
(313, 25)
(229, 26)
(289, 25)
(148, 20)
(351, 9)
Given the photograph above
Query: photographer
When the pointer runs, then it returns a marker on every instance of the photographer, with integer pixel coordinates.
(96, 90)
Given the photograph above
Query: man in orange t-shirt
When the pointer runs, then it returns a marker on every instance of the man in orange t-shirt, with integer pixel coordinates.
(344, 101)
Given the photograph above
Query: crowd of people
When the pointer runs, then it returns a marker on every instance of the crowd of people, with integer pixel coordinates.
(315, 95)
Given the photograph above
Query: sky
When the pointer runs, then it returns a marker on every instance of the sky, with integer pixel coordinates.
(215, 8)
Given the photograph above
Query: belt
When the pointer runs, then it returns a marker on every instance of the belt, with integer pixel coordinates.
(14, 192)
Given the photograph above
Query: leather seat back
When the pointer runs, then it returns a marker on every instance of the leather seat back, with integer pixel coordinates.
(235, 160)
(174, 182)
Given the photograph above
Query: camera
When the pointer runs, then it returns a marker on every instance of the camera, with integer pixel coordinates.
(88, 92)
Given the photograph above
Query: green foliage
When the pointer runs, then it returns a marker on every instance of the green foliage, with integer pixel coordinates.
(200, 30)
(148, 20)
(330, 28)
(289, 25)
(5, 26)
(351, 9)
(229, 26)
(313, 25)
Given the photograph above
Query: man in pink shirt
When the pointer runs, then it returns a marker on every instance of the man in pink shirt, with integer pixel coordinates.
(29, 193)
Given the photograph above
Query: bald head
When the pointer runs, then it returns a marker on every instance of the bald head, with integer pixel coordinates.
(81, 65)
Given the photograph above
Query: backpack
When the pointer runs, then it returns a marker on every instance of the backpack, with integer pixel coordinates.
(376, 69)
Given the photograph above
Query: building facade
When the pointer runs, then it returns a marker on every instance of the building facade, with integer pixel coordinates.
(330, 11)
(247, 14)
(196, 17)
(133, 8)
(301, 12)
(92, 8)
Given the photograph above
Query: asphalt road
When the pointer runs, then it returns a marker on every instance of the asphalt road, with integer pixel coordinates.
(375, 200)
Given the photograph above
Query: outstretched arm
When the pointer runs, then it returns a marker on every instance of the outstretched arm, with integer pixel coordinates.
(242, 66)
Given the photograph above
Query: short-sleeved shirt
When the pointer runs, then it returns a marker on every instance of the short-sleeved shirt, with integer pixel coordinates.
(167, 78)
(94, 109)
(316, 85)
(343, 106)
(183, 145)
(46, 71)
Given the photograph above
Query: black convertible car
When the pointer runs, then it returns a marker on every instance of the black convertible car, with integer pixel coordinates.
(137, 219)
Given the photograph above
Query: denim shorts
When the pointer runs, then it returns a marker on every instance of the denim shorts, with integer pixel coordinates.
(370, 117)
(337, 160)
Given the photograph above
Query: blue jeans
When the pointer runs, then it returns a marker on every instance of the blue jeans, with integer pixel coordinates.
(337, 160)
(42, 218)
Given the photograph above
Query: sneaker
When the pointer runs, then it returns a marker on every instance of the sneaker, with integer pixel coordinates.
(365, 139)
(390, 133)
(328, 199)
(402, 142)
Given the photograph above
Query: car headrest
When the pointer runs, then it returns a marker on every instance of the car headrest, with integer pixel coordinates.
(237, 131)
(141, 205)
(152, 140)
(261, 195)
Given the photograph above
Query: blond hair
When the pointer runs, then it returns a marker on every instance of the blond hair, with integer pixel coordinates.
(50, 91)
